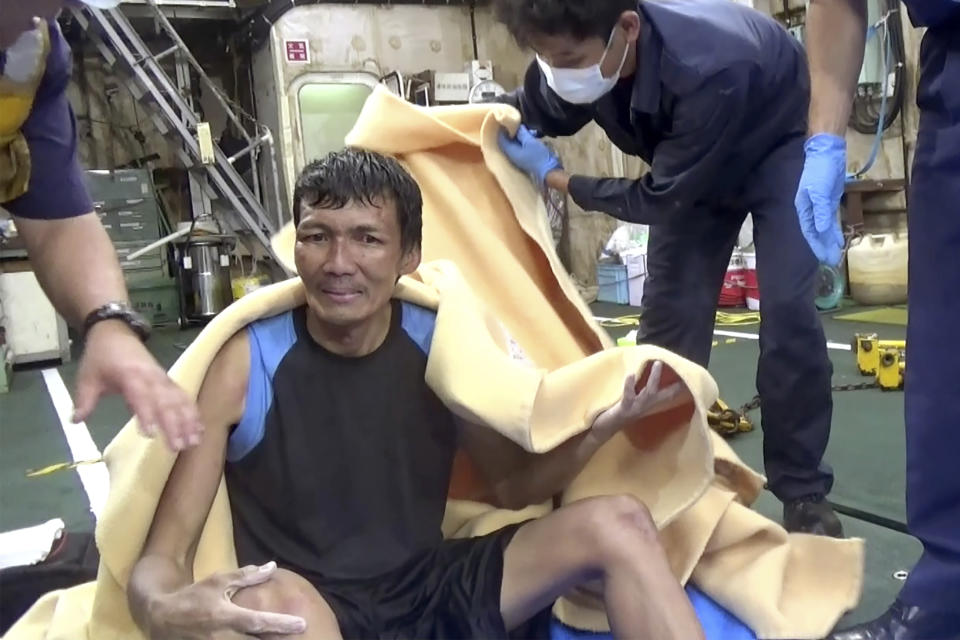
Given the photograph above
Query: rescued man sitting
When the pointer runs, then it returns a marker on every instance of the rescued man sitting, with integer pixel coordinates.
(338, 456)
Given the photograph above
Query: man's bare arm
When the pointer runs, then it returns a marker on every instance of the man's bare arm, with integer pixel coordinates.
(166, 563)
(835, 34)
(164, 599)
(518, 478)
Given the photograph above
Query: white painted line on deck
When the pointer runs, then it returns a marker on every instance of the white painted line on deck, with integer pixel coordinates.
(94, 477)
(836, 346)
(736, 334)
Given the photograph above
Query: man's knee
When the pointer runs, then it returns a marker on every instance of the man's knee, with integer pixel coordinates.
(790, 304)
(613, 525)
(791, 323)
(285, 592)
(691, 307)
(683, 326)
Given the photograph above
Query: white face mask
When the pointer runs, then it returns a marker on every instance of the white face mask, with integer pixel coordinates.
(583, 86)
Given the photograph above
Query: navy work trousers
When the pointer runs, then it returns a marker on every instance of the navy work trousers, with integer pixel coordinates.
(932, 393)
(687, 261)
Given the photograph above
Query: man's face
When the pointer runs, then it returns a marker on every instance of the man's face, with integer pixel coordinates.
(350, 259)
(18, 15)
(567, 52)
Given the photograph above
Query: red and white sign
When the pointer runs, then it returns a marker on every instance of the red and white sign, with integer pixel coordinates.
(297, 51)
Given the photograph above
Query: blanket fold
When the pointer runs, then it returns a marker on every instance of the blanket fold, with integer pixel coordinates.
(498, 287)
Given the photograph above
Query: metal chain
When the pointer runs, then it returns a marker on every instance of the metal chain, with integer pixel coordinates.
(750, 406)
(858, 386)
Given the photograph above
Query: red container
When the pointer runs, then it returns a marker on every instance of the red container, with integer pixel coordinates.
(751, 287)
(731, 293)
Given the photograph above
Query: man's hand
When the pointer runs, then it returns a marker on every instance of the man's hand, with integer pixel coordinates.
(818, 197)
(205, 608)
(115, 361)
(529, 154)
(635, 405)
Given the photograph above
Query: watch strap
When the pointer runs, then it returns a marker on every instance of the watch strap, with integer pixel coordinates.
(118, 311)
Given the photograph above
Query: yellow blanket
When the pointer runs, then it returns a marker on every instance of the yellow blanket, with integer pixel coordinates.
(484, 224)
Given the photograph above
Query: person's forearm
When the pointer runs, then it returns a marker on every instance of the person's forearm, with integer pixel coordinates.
(153, 577)
(623, 198)
(835, 35)
(559, 180)
(75, 262)
(544, 475)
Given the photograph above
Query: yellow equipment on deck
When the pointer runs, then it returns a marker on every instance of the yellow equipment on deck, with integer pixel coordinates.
(729, 422)
(868, 348)
(893, 362)
(884, 359)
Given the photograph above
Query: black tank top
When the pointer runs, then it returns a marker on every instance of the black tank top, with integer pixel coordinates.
(340, 466)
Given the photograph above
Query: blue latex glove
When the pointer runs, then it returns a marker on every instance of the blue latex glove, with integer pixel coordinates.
(821, 186)
(529, 154)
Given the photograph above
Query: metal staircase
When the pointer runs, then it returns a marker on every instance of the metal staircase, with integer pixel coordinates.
(121, 46)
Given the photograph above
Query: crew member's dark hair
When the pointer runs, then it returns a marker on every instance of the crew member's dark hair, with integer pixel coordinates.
(579, 19)
(366, 178)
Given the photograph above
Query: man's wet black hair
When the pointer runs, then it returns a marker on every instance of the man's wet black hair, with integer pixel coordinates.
(578, 19)
(366, 178)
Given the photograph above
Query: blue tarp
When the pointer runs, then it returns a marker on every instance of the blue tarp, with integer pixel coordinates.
(717, 623)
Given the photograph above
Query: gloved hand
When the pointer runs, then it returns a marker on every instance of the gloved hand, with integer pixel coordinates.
(818, 197)
(529, 154)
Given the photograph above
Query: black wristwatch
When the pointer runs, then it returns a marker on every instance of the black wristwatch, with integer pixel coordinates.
(119, 311)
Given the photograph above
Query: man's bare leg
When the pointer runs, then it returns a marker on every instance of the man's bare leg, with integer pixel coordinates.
(286, 592)
(610, 539)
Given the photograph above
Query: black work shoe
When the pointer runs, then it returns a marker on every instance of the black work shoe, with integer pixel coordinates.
(901, 622)
(812, 514)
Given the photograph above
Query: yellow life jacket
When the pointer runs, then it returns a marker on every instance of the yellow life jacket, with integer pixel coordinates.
(16, 101)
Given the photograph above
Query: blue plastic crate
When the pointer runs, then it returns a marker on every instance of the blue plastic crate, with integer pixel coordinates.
(613, 283)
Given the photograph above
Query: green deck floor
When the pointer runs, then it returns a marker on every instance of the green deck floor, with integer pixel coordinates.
(31, 437)
(866, 447)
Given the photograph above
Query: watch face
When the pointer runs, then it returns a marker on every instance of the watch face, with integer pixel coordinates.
(137, 321)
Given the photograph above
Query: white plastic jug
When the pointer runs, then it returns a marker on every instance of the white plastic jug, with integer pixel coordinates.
(877, 263)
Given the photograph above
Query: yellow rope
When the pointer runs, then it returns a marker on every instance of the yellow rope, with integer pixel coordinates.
(621, 321)
(62, 466)
(740, 318)
(723, 319)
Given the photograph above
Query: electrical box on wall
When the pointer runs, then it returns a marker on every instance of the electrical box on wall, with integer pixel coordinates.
(451, 87)
(871, 73)
(480, 71)
(475, 84)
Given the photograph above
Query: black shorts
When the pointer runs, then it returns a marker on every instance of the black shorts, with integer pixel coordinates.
(447, 593)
